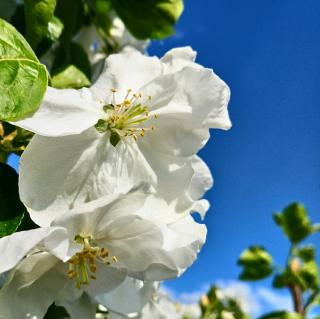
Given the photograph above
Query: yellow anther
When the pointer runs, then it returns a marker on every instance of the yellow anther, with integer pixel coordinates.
(93, 268)
(115, 259)
(113, 90)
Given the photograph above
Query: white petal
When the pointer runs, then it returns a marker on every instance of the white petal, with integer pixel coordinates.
(123, 71)
(129, 298)
(108, 279)
(180, 180)
(202, 179)
(80, 308)
(93, 217)
(63, 112)
(178, 58)
(31, 288)
(182, 241)
(124, 38)
(132, 240)
(201, 207)
(16, 246)
(187, 103)
(67, 171)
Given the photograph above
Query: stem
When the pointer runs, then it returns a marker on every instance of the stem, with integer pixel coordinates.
(297, 299)
(311, 299)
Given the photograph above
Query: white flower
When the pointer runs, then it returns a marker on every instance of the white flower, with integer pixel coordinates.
(142, 121)
(91, 250)
(97, 48)
(124, 38)
(128, 299)
(161, 306)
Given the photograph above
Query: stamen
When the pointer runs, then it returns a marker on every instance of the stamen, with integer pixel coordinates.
(122, 119)
(83, 265)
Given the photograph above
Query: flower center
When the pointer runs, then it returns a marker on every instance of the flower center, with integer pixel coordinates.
(83, 265)
(125, 119)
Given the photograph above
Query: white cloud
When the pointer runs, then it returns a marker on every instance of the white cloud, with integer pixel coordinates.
(252, 299)
(274, 300)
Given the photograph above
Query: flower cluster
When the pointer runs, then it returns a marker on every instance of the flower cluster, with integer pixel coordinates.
(112, 178)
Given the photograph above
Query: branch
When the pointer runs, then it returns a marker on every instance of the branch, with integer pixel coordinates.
(297, 299)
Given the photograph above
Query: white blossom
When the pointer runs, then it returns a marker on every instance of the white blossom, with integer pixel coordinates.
(161, 306)
(142, 121)
(91, 251)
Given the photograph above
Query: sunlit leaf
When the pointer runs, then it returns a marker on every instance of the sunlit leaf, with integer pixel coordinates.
(41, 22)
(256, 262)
(149, 19)
(294, 221)
(282, 315)
(23, 80)
(70, 77)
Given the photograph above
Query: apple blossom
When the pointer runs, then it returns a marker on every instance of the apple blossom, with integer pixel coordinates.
(92, 250)
(142, 121)
(161, 306)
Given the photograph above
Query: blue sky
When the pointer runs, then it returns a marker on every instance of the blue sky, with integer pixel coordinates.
(268, 51)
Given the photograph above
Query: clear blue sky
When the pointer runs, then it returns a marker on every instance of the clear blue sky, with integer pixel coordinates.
(268, 51)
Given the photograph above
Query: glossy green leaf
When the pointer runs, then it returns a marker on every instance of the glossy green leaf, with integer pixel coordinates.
(149, 19)
(11, 208)
(22, 87)
(70, 77)
(257, 263)
(8, 227)
(295, 223)
(41, 22)
(282, 315)
(23, 80)
(13, 44)
(7, 8)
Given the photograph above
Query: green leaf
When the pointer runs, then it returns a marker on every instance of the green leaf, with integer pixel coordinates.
(41, 22)
(306, 253)
(72, 15)
(310, 274)
(282, 315)
(11, 208)
(13, 44)
(257, 263)
(70, 77)
(7, 9)
(289, 278)
(8, 227)
(23, 80)
(149, 19)
(295, 223)
(22, 87)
